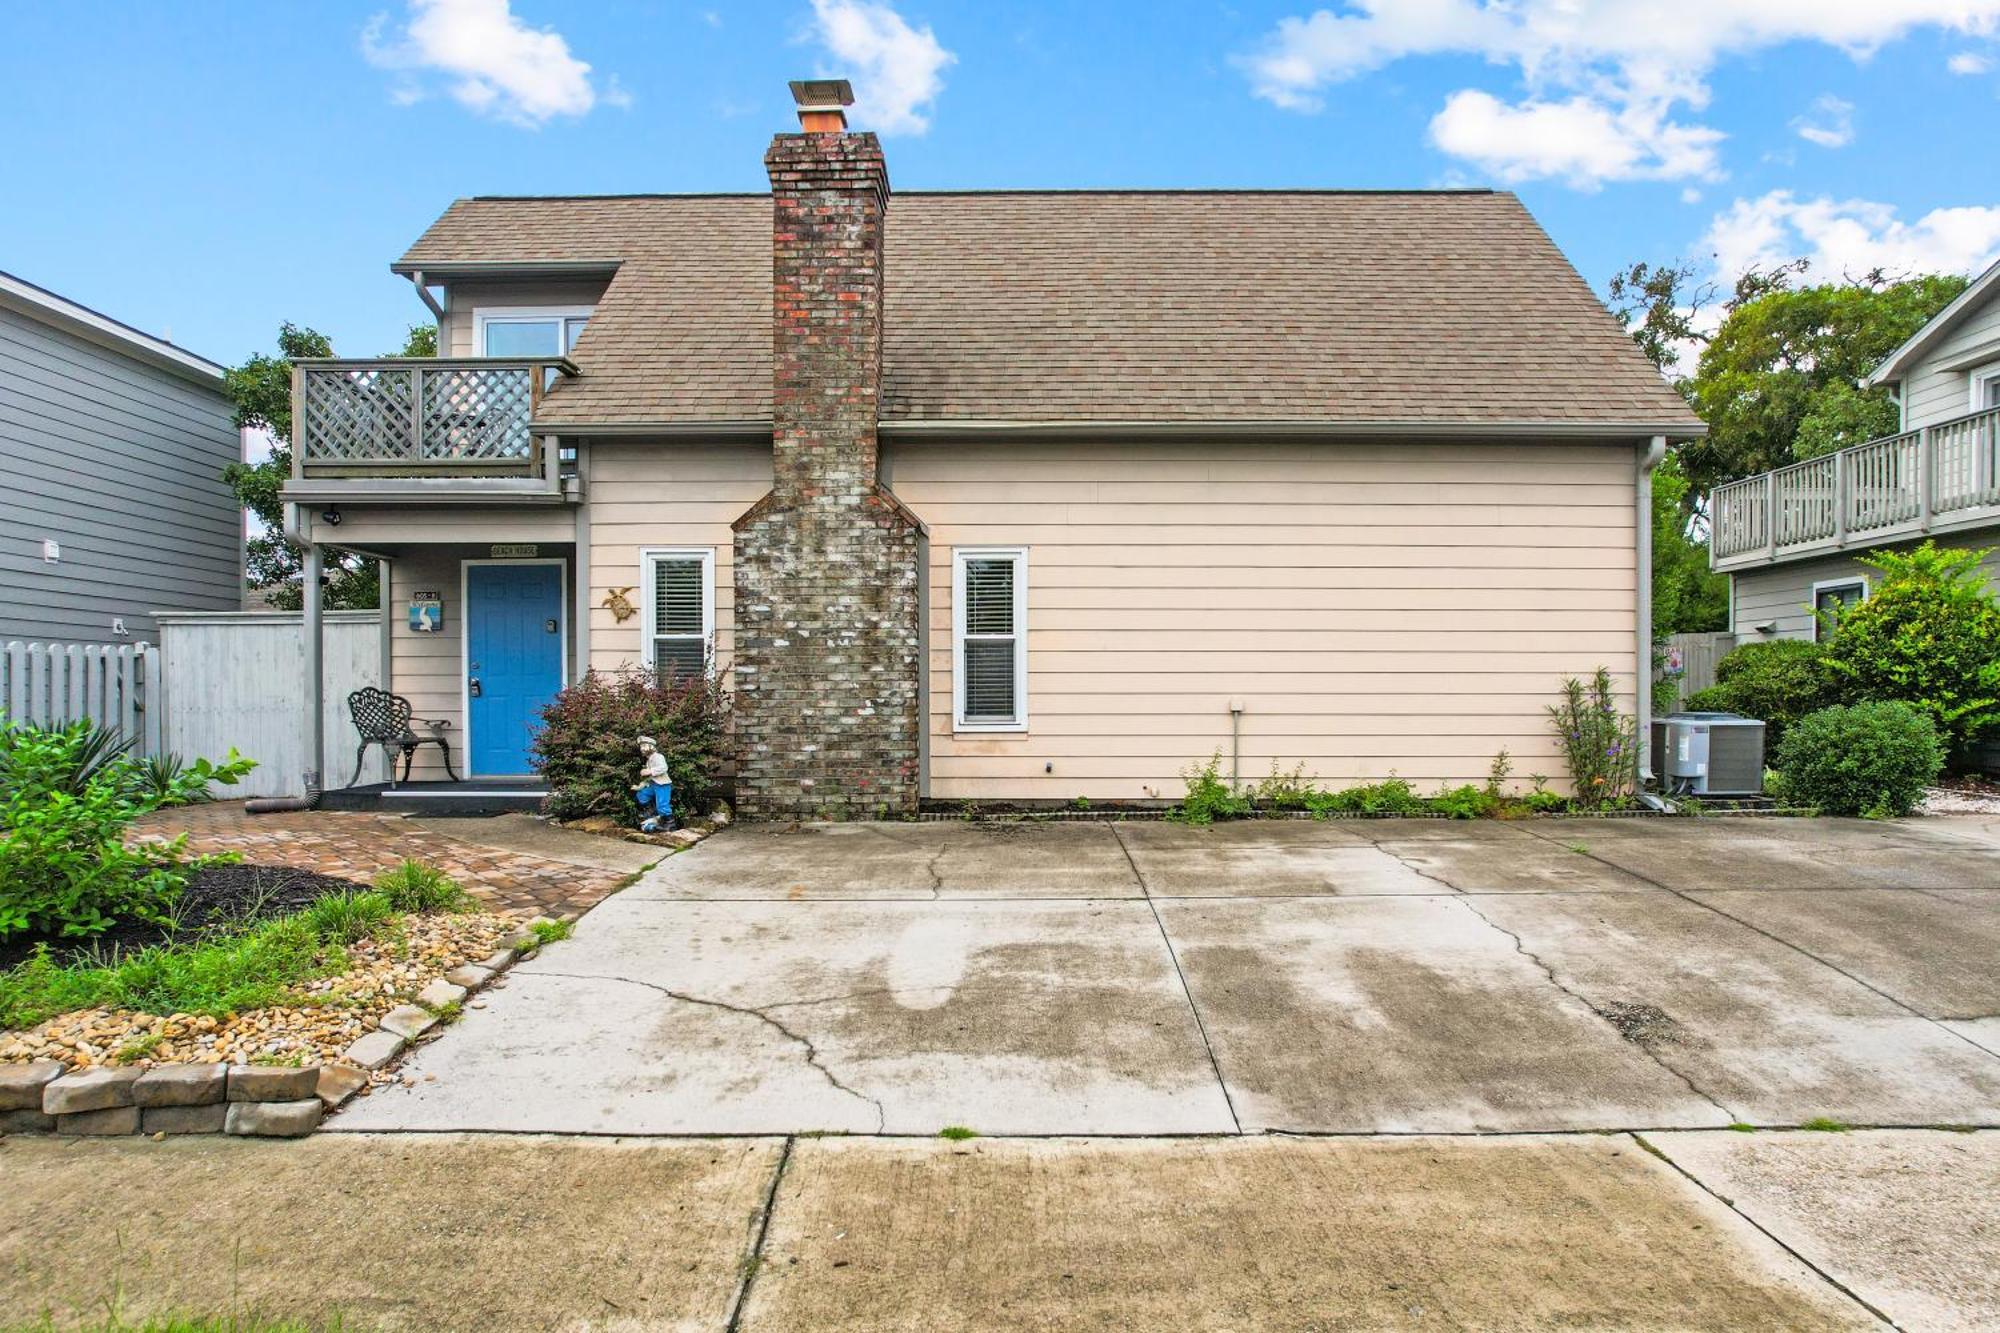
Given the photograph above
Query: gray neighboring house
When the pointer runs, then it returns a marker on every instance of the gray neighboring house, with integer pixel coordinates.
(1789, 539)
(112, 503)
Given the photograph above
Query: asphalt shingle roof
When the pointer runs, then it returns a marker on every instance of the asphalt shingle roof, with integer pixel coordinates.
(1450, 307)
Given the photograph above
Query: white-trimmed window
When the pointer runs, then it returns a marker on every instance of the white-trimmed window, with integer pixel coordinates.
(528, 330)
(1985, 387)
(1832, 598)
(989, 610)
(679, 609)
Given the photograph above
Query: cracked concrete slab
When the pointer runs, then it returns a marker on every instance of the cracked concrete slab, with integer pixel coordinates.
(1406, 1014)
(1770, 1032)
(1266, 1233)
(1529, 865)
(433, 1234)
(802, 862)
(1909, 1220)
(1783, 853)
(899, 1017)
(1267, 858)
(1935, 951)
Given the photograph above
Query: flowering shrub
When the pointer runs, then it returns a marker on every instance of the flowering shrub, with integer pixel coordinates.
(1599, 742)
(587, 749)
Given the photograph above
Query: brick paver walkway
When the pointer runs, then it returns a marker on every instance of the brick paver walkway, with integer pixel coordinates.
(360, 846)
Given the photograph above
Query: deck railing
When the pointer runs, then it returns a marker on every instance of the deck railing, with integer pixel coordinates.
(393, 416)
(1900, 485)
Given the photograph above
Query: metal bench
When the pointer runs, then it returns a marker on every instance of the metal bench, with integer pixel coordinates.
(384, 719)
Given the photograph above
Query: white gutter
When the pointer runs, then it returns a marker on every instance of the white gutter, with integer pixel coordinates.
(1642, 506)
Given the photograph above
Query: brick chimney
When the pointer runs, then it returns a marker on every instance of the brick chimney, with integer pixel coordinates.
(828, 647)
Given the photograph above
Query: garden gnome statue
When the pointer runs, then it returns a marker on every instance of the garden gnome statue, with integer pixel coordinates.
(655, 789)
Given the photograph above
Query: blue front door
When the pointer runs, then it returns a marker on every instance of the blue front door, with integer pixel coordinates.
(513, 660)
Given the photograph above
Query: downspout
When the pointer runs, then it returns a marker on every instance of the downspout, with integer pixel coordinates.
(1642, 493)
(417, 281)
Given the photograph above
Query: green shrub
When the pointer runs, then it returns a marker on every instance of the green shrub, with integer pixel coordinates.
(416, 887)
(1929, 635)
(1209, 797)
(1393, 796)
(1777, 683)
(1599, 742)
(587, 747)
(67, 796)
(1870, 759)
(344, 918)
(1467, 802)
(1293, 790)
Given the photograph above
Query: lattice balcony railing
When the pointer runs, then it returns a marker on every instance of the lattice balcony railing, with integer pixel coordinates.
(1895, 487)
(395, 416)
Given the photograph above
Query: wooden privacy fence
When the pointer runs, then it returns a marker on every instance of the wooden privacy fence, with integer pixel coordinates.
(237, 678)
(114, 685)
(1688, 660)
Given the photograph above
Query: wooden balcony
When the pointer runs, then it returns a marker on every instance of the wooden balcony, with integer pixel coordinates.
(390, 424)
(1893, 489)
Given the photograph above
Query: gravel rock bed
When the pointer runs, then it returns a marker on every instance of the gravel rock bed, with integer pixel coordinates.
(328, 1015)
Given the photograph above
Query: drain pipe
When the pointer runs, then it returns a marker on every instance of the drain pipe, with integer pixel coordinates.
(1236, 745)
(1642, 491)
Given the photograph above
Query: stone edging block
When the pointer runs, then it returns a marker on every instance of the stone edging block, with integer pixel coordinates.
(263, 1101)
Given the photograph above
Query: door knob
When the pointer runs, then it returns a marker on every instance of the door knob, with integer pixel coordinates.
(472, 687)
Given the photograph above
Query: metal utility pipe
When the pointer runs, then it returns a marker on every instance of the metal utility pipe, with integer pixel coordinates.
(1642, 490)
(1235, 745)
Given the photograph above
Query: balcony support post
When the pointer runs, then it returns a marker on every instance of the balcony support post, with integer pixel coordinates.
(313, 623)
(417, 416)
(1926, 465)
(1841, 482)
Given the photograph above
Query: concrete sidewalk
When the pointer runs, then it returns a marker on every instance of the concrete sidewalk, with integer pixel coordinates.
(453, 1232)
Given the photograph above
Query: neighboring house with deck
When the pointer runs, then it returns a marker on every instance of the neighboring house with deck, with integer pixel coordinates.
(1022, 495)
(1789, 539)
(112, 503)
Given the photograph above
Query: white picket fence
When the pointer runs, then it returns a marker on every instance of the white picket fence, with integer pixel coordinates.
(115, 685)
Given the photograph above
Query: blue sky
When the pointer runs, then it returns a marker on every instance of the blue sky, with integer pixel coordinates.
(213, 168)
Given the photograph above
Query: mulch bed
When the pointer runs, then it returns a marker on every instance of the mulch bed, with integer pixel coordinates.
(219, 899)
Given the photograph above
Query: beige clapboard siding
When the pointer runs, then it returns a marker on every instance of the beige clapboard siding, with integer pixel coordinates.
(1376, 607)
(428, 668)
(665, 494)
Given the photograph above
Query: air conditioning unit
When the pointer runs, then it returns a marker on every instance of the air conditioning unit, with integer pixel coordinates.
(1709, 754)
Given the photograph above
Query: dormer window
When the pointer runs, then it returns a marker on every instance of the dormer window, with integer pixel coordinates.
(529, 330)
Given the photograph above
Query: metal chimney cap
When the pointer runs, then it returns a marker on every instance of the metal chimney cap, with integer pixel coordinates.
(822, 94)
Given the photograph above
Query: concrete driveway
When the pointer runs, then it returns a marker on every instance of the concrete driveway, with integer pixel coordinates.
(1357, 976)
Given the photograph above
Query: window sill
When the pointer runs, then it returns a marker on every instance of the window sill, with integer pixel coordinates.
(989, 729)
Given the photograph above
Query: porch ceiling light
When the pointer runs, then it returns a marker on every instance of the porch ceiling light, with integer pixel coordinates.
(330, 517)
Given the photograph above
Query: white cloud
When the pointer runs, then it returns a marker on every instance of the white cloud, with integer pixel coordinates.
(896, 68)
(1849, 237)
(492, 62)
(1968, 62)
(1581, 140)
(1604, 78)
(1830, 123)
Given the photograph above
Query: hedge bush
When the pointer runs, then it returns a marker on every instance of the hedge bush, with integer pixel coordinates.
(1871, 759)
(587, 748)
(1777, 682)
(1928, 634)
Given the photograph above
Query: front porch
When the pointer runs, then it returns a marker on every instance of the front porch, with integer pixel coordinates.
(483, 796)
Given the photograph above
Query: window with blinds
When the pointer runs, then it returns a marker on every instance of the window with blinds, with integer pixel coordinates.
(680, 611)
(990, 676)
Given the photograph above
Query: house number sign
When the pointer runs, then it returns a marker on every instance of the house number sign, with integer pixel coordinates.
(517, 551)
(426, 611)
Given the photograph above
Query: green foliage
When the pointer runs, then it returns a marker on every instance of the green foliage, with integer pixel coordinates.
(957, 1133)
(1392, 796)
(1209, 797)
(1599, 742)
(1688, 597)
(550, 932)
(1467, 802)
(1785, 361)
(1286, 790)
(1825, 1124)
(261, 389)
(344, 918)
(587, 746)
(67, 796)
(416, 887)
(1778, 682)
(1871, 759)
(1929, 634)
